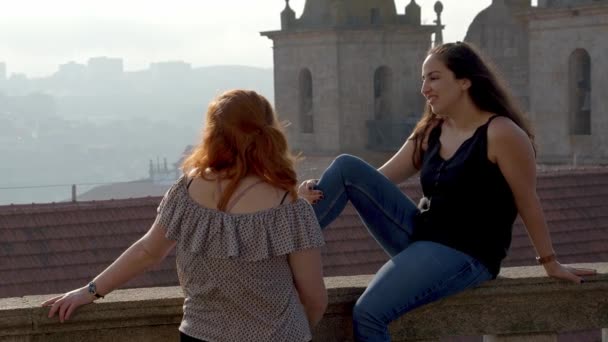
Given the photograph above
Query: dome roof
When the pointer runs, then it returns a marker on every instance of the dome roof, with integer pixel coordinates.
(329, 13)
(495, 15)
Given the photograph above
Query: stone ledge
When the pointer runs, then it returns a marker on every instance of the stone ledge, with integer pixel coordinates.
(521, 301)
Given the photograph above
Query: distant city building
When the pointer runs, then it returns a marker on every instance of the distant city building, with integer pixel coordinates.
(2, 71)
(18, 84)
(163, 175)
(344, 74)
(105, 68)
(554, 58)
(168, 70)
(71, 71)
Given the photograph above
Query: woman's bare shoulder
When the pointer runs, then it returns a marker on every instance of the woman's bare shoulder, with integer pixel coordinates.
(505, 138)
(503, 127)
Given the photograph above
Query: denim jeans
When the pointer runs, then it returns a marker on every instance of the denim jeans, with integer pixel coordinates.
(419, 272)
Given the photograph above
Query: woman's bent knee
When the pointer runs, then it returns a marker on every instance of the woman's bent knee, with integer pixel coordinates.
(367, 326)
(349, 164)
(362, 314)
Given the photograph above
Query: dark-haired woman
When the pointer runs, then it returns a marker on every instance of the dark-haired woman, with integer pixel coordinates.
(476, 159)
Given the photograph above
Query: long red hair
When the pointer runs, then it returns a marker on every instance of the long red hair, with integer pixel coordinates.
(242, 136)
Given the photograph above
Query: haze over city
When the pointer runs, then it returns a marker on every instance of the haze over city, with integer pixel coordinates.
(85, 118)
(36, 36)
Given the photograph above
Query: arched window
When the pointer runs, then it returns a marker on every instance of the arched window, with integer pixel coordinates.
(306, 112)
(374, 16)
(579, 84)
(382, 93)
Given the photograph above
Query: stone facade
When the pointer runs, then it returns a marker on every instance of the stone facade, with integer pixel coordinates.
(344, 75)
(553, 58)
(562, 41)
(347, 73)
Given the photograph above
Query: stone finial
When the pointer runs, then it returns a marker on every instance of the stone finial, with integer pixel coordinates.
(439, 25)
(288, 17)
(438, 8)
(412, 13)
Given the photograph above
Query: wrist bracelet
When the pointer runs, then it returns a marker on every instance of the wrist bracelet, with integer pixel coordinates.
(92, 289)
(546, 259)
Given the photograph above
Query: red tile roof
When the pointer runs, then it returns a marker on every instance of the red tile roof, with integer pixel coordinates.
(51, 248)
(576, 208)
(140, 188)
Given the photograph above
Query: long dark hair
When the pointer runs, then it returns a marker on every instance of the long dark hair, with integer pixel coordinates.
(487, 91)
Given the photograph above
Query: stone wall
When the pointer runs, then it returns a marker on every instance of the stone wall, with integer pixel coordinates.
(317, 52)
(554, 35)
(342, 64)
(522, 305)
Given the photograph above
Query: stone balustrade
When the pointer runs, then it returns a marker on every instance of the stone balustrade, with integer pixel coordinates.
(522, 305)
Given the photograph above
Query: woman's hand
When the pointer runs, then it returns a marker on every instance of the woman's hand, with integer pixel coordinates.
(308, 192)
(67, 303)
(556, 270)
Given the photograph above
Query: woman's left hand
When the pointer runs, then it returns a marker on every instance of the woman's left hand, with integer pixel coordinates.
(556, 270)
(67, 303)
(308, 192)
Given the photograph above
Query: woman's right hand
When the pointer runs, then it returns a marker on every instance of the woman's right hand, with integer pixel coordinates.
(308, 192)
(556, 270)
(67, 303)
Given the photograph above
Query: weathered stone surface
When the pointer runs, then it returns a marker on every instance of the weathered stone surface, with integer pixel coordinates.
(342, 61)
(522, 302)
(555, 33)
(521, 338)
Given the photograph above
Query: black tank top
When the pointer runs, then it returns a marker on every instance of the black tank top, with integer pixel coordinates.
(470, 206)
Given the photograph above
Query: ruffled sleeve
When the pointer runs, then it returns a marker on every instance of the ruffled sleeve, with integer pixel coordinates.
(170, 210)
(256, 236)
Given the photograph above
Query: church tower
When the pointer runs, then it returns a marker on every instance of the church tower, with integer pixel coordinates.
(347, 74)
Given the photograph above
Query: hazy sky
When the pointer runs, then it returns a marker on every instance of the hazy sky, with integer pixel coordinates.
(38, 35)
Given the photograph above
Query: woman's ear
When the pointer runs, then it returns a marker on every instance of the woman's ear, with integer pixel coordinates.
(465, 83)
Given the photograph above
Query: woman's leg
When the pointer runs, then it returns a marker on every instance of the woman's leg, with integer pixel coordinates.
(386, 211)
(424, 272)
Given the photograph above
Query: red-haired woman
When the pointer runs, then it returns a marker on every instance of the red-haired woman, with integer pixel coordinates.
(248, 256)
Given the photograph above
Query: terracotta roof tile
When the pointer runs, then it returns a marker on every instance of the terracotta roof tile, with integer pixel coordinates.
(50, 248)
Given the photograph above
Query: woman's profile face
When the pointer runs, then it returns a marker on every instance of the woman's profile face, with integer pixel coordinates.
(439, 86)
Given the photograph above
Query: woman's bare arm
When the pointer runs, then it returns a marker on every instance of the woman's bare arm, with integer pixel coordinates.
(148, 251)
(307, 272)
(511, 149)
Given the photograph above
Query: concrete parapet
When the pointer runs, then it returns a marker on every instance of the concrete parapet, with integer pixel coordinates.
(522, 305)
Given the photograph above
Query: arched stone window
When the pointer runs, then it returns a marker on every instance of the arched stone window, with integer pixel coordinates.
(579, 84)
(305, 92)
(383, 80)
(374, 16)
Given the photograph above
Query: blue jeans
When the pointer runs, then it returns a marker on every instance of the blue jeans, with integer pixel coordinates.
(419, 272)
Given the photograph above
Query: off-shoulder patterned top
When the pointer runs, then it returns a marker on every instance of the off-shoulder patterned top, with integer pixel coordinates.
(233, 268)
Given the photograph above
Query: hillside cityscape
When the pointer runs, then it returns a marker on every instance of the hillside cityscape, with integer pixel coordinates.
(96, 123)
